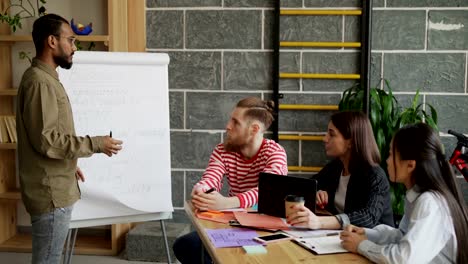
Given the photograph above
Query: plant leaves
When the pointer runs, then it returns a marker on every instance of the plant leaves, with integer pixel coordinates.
(415, 99)
(433, 113)
(380, 139)
(397, 194)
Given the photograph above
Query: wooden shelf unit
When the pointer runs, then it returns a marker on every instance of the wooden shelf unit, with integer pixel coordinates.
(11, 195)
(8, 92)
(7, 146)
(28, 38)
(88, 245)
(85, 244)
(126, 32)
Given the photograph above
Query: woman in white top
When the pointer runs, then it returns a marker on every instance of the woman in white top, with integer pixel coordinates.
(434, 228)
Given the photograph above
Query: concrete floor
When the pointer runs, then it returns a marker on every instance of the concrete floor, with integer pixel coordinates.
(25, 258)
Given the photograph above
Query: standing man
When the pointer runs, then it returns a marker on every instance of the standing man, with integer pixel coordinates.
(243, 155)
(48, 148)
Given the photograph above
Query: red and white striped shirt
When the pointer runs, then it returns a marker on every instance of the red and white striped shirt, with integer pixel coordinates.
(242, 175)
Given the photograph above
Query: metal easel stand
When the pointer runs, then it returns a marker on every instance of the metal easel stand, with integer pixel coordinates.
(71, 240)
(166, 244)
(69, 245)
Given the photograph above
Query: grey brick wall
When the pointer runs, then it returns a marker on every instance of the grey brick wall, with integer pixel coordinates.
(221, 51)
(424, 45)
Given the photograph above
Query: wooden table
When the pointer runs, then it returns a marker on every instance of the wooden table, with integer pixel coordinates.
(280, 252)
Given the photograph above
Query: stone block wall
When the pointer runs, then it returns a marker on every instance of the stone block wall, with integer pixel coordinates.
(221, 51)
(424, 45)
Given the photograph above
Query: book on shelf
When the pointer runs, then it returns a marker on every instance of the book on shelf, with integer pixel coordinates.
(13, 125)
(3, 131)
(8, 129)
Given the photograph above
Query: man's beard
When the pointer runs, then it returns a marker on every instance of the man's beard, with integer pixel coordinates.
(62, 61)
(234, 146)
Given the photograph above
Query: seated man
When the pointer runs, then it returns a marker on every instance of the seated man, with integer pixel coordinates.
(242, 156)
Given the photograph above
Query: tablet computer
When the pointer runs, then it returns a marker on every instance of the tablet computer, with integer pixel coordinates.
(273, 188)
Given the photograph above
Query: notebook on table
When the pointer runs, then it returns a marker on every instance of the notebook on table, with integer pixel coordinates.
(272, 189)
(322, 245)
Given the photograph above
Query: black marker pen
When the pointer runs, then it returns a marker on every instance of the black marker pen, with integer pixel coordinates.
(210, 190)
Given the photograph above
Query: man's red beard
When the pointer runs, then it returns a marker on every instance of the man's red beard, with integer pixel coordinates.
(231, 146)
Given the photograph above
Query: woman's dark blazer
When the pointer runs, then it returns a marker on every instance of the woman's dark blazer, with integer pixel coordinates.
(367, 202)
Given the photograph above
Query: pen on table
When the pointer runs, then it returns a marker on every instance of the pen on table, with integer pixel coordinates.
(320, 235)
(110, 134)
(210, 190)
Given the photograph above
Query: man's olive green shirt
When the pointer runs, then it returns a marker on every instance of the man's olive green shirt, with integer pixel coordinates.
(48, 148)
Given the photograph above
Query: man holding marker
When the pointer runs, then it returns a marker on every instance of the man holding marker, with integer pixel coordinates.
(48, 147)
(243, 155)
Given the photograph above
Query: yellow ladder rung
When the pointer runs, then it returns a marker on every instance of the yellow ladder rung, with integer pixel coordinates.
(297, 137)
(304, 168)
(321, 12)
(307, 107)
(320, 44)
(319, 76)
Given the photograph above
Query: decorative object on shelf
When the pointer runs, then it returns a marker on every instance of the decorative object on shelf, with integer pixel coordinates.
(25, 9)
(23, 55)
(90, 47)
(387, 116)
(80, 29)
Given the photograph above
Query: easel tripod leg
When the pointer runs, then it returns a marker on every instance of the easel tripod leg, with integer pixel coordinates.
(67, 245)
(163, 228)
(70, 245)
(75, 233)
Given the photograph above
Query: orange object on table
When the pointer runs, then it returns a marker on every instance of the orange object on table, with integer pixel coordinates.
(211, 213)
(216, 217)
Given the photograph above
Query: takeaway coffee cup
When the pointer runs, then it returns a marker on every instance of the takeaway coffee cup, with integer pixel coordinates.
(291, 200)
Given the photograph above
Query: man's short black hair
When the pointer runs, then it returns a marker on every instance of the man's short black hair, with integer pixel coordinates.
(45, 26)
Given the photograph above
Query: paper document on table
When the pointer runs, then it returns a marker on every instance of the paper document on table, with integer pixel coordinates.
(322, 245)
(238, 209)
(261, 221)
(232, 237)
(301, 233)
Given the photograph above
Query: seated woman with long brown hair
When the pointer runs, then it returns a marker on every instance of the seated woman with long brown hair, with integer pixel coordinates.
(352, 186)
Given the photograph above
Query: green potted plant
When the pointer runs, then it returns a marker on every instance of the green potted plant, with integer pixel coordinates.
(416, 113)
(386, 116)
(384, 111)
(23, 10)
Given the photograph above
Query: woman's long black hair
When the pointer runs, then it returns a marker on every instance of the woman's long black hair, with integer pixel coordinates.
(433, 172)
